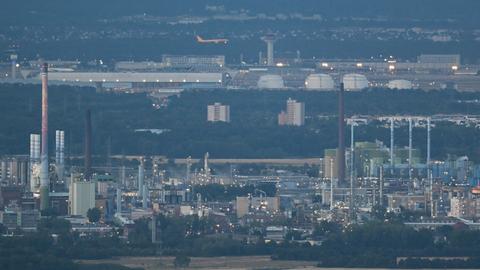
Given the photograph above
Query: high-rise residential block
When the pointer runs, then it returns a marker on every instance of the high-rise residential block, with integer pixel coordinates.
(218, 113)
(295, 114)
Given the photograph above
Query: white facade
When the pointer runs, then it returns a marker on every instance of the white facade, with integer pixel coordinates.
(448, 60)
(136, 77)
(194, 60)
(400, 84)
(144, 65)
(456, 208)
(34, 172)
(295, 113)
(81, 197)
(354, 82)
(270, 82)
(60, 154)
(218, 113)
(319, 82)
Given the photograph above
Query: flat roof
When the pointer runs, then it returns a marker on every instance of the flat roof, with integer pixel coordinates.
(132, 77)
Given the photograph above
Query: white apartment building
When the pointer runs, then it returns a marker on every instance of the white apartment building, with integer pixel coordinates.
(218, 113)
(295, 115)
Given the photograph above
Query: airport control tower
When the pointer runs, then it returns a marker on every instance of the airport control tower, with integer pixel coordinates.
(270, 40)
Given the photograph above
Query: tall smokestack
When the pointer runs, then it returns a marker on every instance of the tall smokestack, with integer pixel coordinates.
(341, 136)
(141, 178)
(60, 154)
(119, 199)
(410, 146)
(352, 164)
(44, 178)
(88, 146)
(144, 197)
(428, 142)
(392, 145)
(14, 58)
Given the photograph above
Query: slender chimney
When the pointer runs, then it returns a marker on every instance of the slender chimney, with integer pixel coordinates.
(123, 176)
(341, 137)
(381, 186)
(428, 143)
(141, 178)
(60, 155)
(14, 58)
(144, 197)
(88, 146)
(119, 199)
(44, 178)
(410, 148)
(352, 164)
(392, 145)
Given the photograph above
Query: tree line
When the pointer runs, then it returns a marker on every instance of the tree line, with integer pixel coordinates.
(252, 133)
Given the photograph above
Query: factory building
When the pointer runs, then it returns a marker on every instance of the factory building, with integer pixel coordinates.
(464, 207)
(370, 156)
(245, 205)
(14, 218)
(439, 61)
(172, 195)
(429, 63)
(400, 84)
(139, 79)
(193, 60)
(406, 201)
(175, 62)
(82, 196)
(14, 170)
(142, 65)
(218, 113)
(330, 169)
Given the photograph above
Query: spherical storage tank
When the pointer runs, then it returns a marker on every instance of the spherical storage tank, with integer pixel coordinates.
(400, 84)
(319, 82)
(355, 82)
(270, 82)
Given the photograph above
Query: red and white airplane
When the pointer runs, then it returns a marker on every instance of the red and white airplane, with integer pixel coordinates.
(215, 41)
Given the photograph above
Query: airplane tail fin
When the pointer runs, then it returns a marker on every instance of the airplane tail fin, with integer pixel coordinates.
(199, 39)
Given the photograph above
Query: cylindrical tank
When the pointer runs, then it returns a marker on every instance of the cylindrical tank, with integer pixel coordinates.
(355, 82)
(270, 82)
(400, 84)
(319, 82)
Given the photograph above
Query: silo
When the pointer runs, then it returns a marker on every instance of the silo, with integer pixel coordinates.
(270, 82)
(354, 82)
(319, 82)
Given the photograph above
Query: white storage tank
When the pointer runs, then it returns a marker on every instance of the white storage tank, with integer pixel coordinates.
(270, 82)
(400, 84)
(319, 82)
(355, 82)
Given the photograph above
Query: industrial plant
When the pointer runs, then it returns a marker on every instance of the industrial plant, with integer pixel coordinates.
(246, 135)
(183, 72)
(352, 179)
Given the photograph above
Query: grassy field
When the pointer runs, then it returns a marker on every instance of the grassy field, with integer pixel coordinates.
(217, 263)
